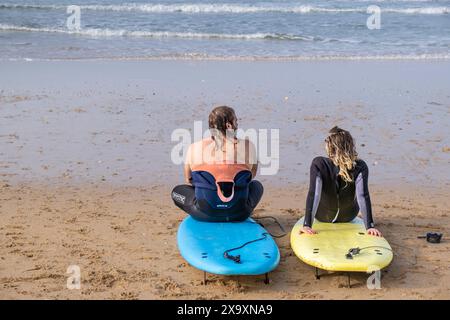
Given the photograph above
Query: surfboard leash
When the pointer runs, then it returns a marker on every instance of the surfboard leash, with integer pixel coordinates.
(355, 251)
(237, 258)
(276, 222)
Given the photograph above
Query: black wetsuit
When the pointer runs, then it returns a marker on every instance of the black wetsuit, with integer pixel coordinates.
(331, 199)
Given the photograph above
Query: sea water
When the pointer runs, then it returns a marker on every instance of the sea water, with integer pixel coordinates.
(226, 29)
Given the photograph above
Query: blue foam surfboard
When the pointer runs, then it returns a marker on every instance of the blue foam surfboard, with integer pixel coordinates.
(202, 245)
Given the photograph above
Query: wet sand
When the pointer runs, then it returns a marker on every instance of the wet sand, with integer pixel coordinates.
(85, 171)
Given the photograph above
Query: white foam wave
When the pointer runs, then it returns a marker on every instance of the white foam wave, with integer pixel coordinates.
(157, 34)
(427, 10)
(198, 8)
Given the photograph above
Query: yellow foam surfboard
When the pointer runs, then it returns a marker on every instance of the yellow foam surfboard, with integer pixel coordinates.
(328, 248)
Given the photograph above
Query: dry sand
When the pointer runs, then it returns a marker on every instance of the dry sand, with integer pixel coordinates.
(85, 172)
(124, 240)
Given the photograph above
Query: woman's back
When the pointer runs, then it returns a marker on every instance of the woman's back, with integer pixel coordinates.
(337, 194)
(219, 172)
(206, 154)
(338, 188)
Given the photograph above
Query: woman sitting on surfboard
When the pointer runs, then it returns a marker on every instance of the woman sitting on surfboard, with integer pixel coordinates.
(219, 173)
(338, 187)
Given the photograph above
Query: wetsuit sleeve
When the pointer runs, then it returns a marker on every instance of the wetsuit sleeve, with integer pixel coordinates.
(314, 193)
(363, 197)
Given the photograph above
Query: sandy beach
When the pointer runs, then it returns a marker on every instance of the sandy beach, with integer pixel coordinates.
(86, 173)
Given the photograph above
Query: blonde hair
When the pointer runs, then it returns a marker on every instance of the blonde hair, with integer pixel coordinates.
(341, 150)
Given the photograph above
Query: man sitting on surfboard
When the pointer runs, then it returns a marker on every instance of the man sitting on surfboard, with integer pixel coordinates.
(219, 172)
(338, 187)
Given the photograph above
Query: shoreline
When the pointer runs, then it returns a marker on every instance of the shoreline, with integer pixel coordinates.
(201, 57)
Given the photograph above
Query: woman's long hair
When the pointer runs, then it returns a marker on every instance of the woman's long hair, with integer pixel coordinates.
(341, 150)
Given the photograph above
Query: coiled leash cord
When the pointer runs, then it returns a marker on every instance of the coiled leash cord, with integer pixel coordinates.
(276, 222)
(237, 258)
(355, 251)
